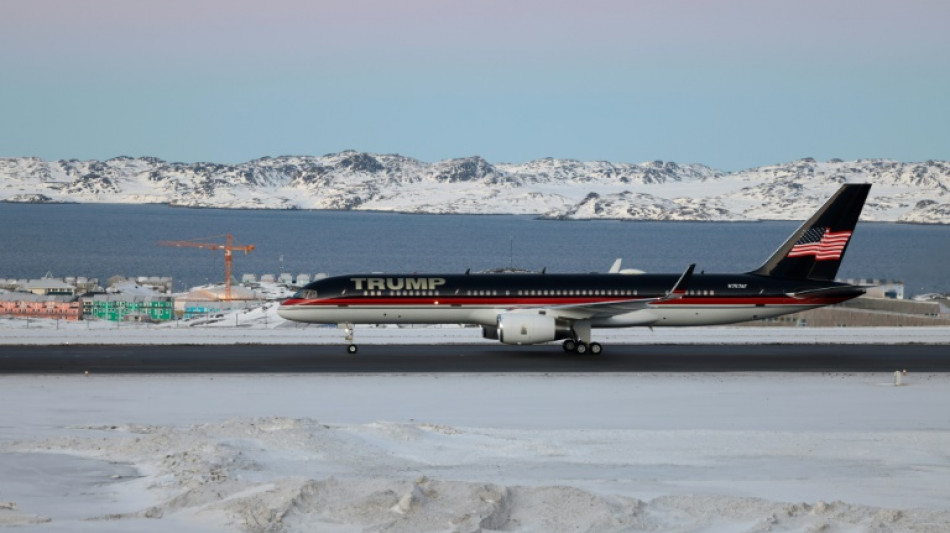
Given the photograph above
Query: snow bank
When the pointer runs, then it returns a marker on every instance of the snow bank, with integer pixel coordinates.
(655, 452)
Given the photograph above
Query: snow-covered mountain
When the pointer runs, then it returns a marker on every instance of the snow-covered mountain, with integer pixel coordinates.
(556, 188)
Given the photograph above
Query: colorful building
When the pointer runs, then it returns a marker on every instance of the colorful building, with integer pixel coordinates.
(123, 307)
(22, 304)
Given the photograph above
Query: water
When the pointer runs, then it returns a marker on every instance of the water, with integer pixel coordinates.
(103, 240)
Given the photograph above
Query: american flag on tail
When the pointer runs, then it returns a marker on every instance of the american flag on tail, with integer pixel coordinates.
(822, 243)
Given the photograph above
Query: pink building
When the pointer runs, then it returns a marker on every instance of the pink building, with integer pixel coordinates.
(35, 306)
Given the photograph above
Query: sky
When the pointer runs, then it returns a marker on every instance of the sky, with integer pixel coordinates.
(732, 84)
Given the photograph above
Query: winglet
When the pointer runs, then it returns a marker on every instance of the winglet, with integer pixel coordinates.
(679, 288)
(615, 268)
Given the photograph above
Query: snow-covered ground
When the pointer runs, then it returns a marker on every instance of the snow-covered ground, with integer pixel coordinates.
(262, 325)
(628, 452)
(470, 452)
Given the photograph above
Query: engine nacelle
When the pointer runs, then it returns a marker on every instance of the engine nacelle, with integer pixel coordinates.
(490, 332)
(523, 328)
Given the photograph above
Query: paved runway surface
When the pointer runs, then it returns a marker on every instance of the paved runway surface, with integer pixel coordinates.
(469, 358)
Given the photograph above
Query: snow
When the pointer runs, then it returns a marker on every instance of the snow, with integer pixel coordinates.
(557, 188)
(470, 452)
(262, 325)
(655, 452)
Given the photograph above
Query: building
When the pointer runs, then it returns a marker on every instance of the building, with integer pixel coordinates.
(123, 307)
(30, 305)
(49, 287)
(211, 300)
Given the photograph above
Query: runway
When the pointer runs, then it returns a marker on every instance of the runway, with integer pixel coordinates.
(402, 359)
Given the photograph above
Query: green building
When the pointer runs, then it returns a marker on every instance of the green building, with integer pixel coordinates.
(121, 307)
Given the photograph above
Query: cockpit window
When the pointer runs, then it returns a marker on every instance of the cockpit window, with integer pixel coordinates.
(306, 294)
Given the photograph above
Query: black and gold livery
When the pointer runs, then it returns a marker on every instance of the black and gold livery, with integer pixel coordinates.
(530, 308)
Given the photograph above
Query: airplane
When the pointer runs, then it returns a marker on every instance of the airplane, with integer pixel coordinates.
(534, 308)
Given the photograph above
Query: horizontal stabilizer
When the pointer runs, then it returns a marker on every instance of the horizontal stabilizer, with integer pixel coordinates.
(848, 291)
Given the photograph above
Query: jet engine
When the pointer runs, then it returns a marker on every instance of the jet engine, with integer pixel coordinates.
(490, 332)
(523, 328)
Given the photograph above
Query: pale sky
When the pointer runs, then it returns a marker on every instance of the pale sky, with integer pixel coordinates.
(731, 84)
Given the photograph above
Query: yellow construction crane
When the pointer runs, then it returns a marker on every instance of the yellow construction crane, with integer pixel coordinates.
(227, 247)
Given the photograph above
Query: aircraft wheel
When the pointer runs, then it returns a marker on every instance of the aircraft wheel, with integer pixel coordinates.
(595, 348)
(569, 345)
(351, 349)
(581, 348)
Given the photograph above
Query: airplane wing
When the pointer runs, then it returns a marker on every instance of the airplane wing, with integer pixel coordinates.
(619, 307)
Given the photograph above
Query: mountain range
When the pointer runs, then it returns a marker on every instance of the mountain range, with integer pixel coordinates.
(551, 188)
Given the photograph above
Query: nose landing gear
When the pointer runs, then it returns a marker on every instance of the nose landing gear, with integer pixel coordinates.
(348, 337)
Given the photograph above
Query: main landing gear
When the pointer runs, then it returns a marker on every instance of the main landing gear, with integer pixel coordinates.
(581, 347)
(580, 342)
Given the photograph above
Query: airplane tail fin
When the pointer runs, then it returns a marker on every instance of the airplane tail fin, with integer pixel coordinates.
(816, 249)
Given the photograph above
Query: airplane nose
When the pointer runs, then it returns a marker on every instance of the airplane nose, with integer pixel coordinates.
(284, 311)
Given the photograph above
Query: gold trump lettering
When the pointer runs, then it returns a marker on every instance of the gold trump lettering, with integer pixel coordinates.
(397, 284)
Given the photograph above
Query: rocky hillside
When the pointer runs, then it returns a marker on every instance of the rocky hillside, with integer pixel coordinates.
(556, 188)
